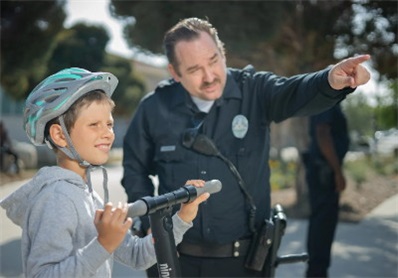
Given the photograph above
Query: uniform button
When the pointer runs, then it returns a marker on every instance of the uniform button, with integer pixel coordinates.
(236, 244)
(203, 172)
(236, 254)
(208, 230)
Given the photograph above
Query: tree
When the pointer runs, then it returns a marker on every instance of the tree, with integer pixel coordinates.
(153, 18)
(80, 46)
(84, 46)
(27, 30)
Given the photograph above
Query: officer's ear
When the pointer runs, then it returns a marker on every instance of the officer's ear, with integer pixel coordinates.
(174, 72)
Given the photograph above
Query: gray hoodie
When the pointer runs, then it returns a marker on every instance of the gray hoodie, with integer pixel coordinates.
(56, 213)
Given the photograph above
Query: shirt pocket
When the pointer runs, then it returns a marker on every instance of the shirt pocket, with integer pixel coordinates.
(173, 167)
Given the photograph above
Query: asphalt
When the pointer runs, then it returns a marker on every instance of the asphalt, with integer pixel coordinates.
(365, 249)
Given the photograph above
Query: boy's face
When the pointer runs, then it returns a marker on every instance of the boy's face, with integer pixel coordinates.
(202, 67)
(92, 134)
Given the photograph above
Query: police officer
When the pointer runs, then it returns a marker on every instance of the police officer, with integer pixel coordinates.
(234, 108)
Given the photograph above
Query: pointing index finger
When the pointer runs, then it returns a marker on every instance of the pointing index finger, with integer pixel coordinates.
(354, 61)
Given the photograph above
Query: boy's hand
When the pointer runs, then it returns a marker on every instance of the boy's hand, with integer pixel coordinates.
(188, 211)
(112, 225)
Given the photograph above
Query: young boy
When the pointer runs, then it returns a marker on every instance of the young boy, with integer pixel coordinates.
(67, 231)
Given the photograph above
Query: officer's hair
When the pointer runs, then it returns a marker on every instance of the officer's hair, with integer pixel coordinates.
(187, 30)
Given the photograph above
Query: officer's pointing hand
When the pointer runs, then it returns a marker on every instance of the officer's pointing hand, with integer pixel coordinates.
(349, 73)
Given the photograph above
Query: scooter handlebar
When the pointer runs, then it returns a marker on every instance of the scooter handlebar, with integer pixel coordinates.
(185, 194)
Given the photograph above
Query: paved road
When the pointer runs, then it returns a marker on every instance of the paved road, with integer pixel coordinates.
(366, 249)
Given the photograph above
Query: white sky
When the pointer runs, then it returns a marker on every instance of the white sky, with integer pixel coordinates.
(97, 12)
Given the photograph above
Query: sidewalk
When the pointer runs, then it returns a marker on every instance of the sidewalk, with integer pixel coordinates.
(365, 249)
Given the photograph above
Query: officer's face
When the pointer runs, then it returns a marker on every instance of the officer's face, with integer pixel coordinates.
(202, 67)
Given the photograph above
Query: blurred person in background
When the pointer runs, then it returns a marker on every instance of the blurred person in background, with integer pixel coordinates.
(7, 150)
(329, 142)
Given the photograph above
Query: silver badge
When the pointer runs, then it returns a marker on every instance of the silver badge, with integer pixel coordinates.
(240, 126)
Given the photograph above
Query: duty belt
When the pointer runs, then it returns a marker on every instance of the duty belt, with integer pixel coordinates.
(237, 248)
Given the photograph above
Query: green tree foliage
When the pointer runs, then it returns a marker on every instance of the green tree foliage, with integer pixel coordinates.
(360, 114)
(371, 27)
(287, 36)
(27, 30)
(34, 44)
(80, 46)
(84, 46)
(241, 24)
(386, 112)
(267, 34)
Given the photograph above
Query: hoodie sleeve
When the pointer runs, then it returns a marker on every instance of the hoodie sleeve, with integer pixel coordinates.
(52, 229)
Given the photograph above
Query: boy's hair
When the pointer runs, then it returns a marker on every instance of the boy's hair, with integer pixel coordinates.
(71, 115)
(187, 30)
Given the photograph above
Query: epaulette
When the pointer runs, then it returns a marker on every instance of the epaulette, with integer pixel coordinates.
(166, 83)
(241, 75)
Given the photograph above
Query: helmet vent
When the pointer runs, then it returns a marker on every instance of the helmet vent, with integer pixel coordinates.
(51, 98)
(66, 79)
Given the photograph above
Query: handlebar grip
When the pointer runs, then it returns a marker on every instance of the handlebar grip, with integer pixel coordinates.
(138, 208)
(212, 186)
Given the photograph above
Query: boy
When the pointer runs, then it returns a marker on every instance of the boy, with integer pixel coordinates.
(67, 231)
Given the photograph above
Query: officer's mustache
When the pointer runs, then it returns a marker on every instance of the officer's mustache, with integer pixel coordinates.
(209, 84)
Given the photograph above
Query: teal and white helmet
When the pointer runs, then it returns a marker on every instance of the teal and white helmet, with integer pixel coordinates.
(55, 94)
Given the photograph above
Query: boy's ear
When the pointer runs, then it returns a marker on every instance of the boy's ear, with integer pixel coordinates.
(57, 135)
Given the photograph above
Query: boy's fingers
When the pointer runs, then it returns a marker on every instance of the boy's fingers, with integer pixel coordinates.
(107, 211)
(201, 198)
(98, 214)
(196, 183)
(128, 223)
(123, 212)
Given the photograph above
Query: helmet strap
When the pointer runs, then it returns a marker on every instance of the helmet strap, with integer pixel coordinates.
(72, 154)
(70, 151)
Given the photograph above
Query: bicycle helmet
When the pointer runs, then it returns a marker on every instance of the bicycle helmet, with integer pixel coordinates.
(55, 94)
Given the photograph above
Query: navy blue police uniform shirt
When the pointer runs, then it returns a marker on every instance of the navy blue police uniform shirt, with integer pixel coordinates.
(153, 144)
